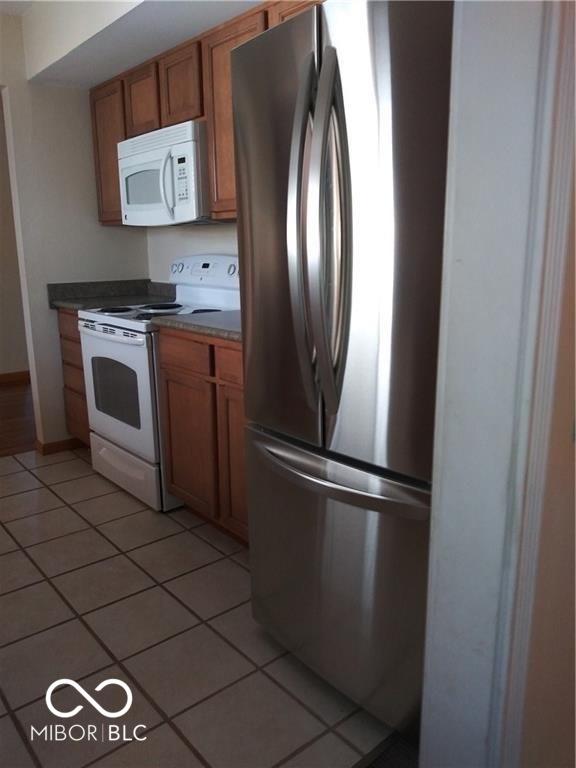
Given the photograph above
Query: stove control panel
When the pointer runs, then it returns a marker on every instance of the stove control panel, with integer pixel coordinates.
(216, 270)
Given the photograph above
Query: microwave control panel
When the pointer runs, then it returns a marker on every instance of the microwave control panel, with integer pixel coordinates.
(182, 191)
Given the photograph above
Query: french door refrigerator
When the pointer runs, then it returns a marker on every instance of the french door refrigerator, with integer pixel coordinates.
(341, 120)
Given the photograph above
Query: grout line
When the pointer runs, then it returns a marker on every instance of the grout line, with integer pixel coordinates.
(119, 553)
(294, 696)
(52, 538)
(100, 642)
(77, 501)
(27, 704)
(201, 622)
(118, 747)
(309, 743)
(112, 519)
(10, 643)
(25, 490)
(88, 473)
(43, 466)
(19, 730)
(23, 586)
(34, 514)
(212, 695)
(195, 751)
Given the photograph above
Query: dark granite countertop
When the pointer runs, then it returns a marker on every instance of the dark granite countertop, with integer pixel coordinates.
(108, 293)
(107, 301)
(225, 325)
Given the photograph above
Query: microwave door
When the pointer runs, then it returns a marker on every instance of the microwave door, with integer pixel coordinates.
(147, 189)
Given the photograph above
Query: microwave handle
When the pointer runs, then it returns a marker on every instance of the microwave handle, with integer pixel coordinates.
(168, 207)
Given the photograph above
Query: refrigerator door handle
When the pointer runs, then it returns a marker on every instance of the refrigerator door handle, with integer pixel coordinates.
(346, 484)
(294, 230)
(328, 233)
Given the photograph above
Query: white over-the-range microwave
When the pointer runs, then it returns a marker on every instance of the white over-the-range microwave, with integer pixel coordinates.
(164, 176)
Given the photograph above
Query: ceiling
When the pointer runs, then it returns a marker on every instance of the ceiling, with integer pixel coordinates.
(149, 29)
(15, 8)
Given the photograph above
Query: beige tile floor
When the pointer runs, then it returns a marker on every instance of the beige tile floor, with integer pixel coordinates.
(94, 585)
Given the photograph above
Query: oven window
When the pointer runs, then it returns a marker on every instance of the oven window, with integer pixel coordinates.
(143, 187)
(116, 390)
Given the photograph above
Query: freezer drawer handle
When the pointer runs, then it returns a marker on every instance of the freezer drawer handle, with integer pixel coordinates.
(368, 491)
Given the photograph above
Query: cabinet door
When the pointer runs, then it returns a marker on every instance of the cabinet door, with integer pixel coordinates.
(188, 425)
(141, 100)
(108, 129)
(287, 9)
(216, 67)
(233, 507)
(180, 79)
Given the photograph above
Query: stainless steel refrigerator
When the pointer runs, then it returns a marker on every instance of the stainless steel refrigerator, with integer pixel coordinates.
(341, 122)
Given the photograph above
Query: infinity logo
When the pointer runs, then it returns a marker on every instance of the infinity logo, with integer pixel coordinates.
(82, 692)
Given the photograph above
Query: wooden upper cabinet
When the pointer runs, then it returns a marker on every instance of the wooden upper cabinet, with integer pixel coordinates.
(287, 9)
(216, 68)
(141, 101)
(107, 104)
(180, 76)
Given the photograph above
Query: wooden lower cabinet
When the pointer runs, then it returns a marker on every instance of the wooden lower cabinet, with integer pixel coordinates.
(75, 406)
(76, 415)
(202, 426)
(231, 460)
(189, 432)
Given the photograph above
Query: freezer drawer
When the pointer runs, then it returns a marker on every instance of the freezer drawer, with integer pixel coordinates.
(339, 572)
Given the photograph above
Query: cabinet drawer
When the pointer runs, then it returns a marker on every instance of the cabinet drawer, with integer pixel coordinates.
(68, 324)
(74, 379)
(229, 365)
(179, 352)
(71, 352)
(76, 415)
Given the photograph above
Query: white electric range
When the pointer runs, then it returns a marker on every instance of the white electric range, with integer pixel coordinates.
(119, 352)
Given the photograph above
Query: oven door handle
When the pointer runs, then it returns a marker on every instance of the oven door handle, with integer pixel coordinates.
(134, 341)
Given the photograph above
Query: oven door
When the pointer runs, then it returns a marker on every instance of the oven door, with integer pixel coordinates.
(120, 391)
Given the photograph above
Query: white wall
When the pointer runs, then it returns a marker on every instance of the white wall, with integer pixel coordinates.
(548, 727)
(13, 356)
(53, 29)
(168, 243)
(58, 236)
(486, 287)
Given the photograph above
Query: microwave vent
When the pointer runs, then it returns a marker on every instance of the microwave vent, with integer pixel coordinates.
(165, 137)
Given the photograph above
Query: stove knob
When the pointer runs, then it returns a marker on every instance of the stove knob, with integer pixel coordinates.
(232, 269)
(180, 267)
(174, 268)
